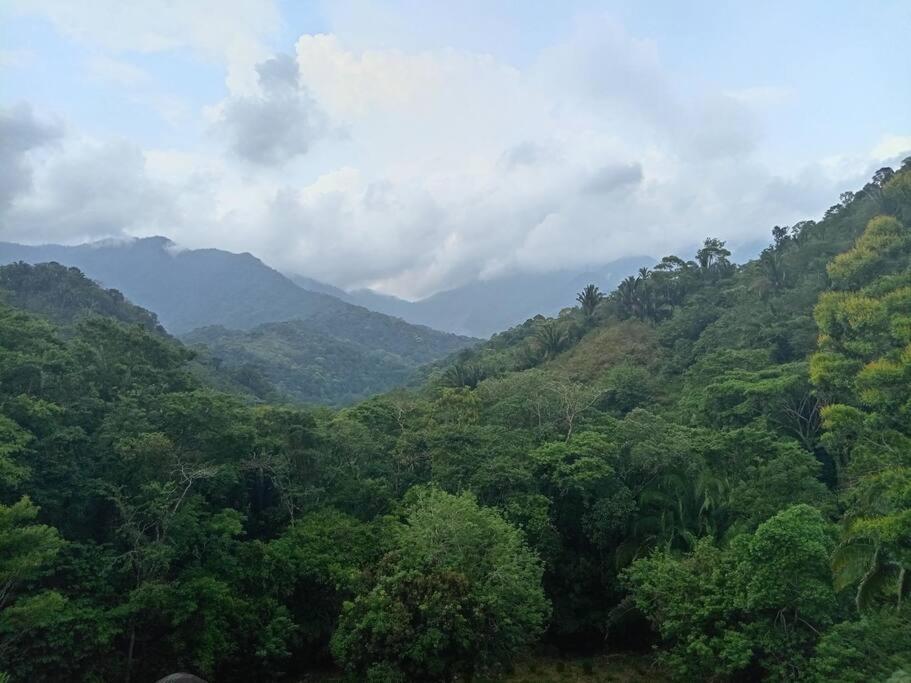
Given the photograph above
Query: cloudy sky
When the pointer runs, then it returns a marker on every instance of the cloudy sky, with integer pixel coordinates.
(414, 145)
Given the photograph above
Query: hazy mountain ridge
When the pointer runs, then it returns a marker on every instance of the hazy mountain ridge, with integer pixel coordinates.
(190, 288)
(262, 328)
(185, 288)
(486, 307)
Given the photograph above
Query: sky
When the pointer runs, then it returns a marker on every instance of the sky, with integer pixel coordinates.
(412, 146)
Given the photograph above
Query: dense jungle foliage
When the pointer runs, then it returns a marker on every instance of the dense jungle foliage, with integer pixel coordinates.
(712, 461)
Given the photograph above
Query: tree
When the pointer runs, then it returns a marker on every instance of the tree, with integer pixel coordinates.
(760, 602)
(589, 298)
(551, 338)
(575, 399)
(876, 647)
(459, 593)
(26, 550)
(713, 257)
(863, 368)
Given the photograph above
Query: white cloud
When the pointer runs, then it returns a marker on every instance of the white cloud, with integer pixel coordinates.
(453, 166)
(83, 189)
(234, 33)
(891, 147)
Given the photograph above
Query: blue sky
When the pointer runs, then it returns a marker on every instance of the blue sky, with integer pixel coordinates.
(415, 145)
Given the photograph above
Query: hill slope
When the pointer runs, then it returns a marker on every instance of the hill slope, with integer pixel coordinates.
(189, 289)
(64, 295)
(304, 364)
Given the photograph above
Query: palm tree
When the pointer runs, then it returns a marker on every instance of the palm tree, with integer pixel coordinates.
(626, 295)
(461, 374)
(551, 339)
(589, 298)
(873, 569)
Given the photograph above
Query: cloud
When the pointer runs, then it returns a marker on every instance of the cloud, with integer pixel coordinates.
(612, 177)
(525, 153)
(21, 132)
(54, 187)
(892, 147)
(233, 33)
(454, 165)
(277, 125)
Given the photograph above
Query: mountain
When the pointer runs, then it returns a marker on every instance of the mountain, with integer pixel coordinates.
(312, 285)
(193, 288)
(480, 309)
(186, 288)
(305, 364)
(305, 360)
(64, 295)
(332, 351)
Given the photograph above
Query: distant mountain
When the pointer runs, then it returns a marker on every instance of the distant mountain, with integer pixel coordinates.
(188, 288)
(316, 357)
(312, 285)
(65, 296)
(193, 288)
(483, 308)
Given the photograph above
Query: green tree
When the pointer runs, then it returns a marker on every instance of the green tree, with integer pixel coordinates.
(760, 602)
(459, 593)
(588, 299)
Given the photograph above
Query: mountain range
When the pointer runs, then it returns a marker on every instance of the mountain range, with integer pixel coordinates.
(321, 338)
(485, 307)
(310, 340)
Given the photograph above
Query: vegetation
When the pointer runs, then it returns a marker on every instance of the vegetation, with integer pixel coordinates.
(265, 331)
(303, 365)
(710, 464)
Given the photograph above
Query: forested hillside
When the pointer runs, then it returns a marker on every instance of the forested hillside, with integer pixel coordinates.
(710, 465)
(304, 365)
(341, 353)
(65, 294)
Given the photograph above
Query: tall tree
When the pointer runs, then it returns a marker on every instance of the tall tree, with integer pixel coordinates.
(589, 298)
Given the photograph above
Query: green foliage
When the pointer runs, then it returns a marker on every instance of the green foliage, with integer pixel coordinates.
(459, 593)
(876, 647)
(333, 360)
(759, 602)
(884, 242)
(64, 295)
(588, 299)
(713, 459)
